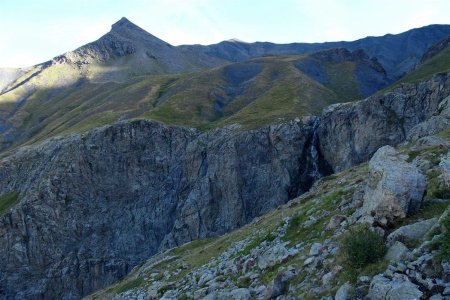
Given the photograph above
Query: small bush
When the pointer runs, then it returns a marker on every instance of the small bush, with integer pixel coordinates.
(361, 247)
(443, 244)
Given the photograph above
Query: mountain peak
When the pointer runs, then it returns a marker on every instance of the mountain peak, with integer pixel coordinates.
(123, 23)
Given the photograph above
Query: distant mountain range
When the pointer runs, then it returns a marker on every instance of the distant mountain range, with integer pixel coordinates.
(129, 73)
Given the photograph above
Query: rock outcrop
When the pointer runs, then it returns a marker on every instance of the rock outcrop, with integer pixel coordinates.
(94, 205)
(394, 188)
(350, 133)
(436, 123)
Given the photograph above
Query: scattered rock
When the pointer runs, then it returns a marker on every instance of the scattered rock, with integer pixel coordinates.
(315, 250)
(240, 294)
(399, 288)
(308, 261)
(335, 221)
(275, 254)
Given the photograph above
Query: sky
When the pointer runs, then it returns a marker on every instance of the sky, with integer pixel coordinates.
(33, 31)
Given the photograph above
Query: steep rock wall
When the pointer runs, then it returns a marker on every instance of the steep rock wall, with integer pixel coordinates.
(93, 206)
(350, 133)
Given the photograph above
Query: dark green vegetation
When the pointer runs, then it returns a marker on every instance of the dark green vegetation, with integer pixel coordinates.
(7, 200)
(442, 244)
(361, 247)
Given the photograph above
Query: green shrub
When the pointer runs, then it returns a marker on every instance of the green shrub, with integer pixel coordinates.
(443, 243)
(361, 247)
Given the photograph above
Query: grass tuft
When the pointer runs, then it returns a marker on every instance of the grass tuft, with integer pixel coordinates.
(8, 200)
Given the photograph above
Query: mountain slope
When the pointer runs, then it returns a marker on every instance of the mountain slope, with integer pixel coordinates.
(129, 50)
(269, 90)
(59, 99)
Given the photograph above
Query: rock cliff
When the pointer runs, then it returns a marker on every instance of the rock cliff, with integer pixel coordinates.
(92, 206)
(350, 133)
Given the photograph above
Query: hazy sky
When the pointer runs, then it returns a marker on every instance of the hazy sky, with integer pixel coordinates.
(35, 31)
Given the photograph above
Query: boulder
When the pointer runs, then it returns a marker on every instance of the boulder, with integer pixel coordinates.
(416, 231)
(315, 249)
(399, 288)
(430, 141)
(240, 294)
(273, 255)
(343, 292)
(396, 251)
(335, 221)
(394, 188)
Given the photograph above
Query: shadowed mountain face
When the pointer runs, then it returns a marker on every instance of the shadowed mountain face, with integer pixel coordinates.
(435, 60)
(397, 53)
(435, 49)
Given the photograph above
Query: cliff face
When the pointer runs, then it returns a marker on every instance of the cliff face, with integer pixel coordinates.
(350, 133)
(92, 206)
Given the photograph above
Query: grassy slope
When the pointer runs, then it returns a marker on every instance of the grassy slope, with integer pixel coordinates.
(322, 202)
(8, 200)
(59, 101)
(277, 93)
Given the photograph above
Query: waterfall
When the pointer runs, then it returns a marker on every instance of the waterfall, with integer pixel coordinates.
(314, 153)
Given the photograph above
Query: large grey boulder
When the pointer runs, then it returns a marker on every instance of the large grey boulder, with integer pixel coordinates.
(394, 187)
(399, 288)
